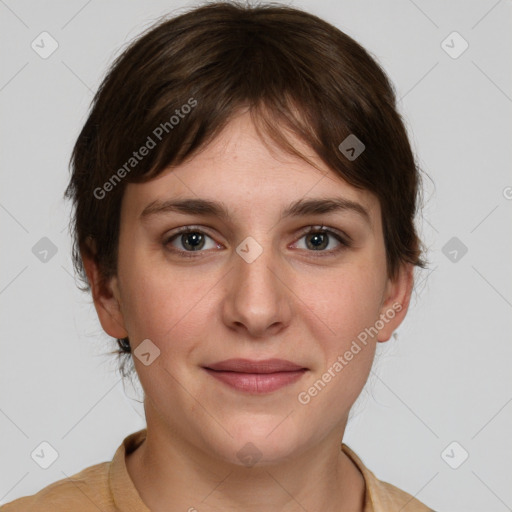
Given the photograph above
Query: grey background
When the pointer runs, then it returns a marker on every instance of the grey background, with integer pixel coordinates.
(446, 377)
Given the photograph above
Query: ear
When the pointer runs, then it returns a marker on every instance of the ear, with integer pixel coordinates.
(106, 296)
(396, 301)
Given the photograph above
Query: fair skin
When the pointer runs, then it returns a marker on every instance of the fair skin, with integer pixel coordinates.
(292, 302)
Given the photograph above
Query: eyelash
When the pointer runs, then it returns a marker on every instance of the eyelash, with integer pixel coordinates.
(345, 241)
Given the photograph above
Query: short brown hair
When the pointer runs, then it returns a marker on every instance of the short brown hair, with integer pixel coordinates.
(292, 70)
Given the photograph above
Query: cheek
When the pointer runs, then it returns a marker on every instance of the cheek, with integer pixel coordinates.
(158, 302)
(348, 302)
(349, 306)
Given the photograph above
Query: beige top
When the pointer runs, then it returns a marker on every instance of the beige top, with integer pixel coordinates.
(108, 487)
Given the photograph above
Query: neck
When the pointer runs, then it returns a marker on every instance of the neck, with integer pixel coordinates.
(171, 474)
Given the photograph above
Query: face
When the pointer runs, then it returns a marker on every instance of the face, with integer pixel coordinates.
(261, 282)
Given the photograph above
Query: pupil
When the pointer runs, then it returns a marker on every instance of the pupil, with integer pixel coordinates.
(197, 240)
(317, 237)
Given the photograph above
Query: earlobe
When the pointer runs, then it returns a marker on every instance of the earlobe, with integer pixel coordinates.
(105, 295)
(396, 301)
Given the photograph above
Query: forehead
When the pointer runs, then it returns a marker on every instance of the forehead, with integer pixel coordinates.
(248, 173)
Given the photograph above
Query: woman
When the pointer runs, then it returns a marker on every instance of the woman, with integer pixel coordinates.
(244, 194)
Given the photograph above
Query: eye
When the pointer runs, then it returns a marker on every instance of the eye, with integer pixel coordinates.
(190, 239)
(318, 239)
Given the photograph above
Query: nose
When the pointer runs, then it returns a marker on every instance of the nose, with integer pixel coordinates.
(258, 300)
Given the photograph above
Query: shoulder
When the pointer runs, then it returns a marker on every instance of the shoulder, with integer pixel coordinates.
(82, 492)
(382, 496)
(389, 497)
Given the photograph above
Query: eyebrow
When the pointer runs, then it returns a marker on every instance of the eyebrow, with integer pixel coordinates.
(299, 208)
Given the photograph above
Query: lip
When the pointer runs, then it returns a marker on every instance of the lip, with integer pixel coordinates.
(256, 377)
(254, 366)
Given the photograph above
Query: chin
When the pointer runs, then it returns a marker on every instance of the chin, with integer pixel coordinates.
(259, 443)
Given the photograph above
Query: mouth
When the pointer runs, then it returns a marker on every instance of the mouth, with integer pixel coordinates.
(256, 377)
